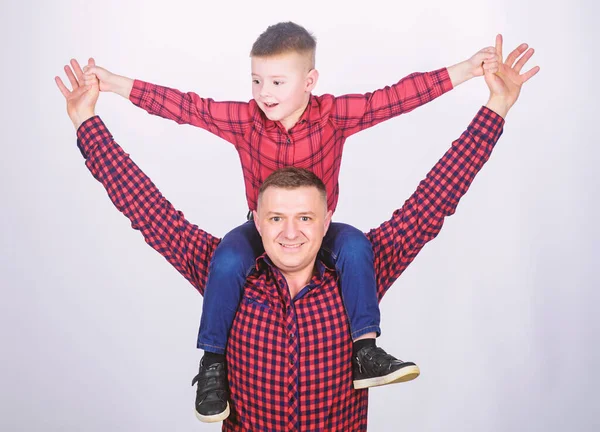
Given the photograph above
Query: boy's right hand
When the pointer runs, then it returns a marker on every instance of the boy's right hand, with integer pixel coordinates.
(109, 82)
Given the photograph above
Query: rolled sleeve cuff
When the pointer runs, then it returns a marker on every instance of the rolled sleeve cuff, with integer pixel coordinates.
(92, 132)
(137, 92)
(441, 79)
(487, 125)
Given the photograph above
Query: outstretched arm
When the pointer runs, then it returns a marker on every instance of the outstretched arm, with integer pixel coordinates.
(228, 120)
(356, 112)
(397, 242)
(188, 248)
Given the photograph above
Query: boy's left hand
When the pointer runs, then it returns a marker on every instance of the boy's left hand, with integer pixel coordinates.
(484, 60)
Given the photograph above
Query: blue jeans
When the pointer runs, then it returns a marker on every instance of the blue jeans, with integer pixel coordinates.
(344, 248)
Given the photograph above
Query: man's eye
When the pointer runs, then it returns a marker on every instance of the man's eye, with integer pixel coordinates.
(304, 218)
(275, 218)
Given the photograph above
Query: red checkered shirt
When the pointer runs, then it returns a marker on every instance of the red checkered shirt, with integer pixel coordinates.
(315, 142)
(290, 358)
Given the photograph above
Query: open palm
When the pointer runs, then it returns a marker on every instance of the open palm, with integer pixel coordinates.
(81, 101)
(507, 82)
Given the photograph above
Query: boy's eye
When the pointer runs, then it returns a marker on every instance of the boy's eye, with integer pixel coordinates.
(254, 81)
(277, 83)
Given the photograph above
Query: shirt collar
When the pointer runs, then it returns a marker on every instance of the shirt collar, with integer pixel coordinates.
(263, 261)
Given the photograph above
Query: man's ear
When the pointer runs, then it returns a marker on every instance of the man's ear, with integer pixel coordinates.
(255, 219)
(327, 221)
(311, 80)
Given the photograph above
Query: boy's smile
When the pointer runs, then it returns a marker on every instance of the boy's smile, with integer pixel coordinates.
(281, 86)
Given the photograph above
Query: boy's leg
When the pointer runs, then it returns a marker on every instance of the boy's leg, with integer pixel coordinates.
(349, 251)
(232, 261)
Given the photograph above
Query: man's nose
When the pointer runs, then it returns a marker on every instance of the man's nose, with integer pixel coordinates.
(290, 230)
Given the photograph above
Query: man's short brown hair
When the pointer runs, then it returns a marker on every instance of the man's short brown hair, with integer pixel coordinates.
(293, 178)
(285, 37)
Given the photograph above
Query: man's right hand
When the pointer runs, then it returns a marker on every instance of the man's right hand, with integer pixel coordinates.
(81, 101)
(505, 85)
(109, 82)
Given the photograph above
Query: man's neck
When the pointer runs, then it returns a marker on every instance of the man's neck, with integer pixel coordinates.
(298, 280)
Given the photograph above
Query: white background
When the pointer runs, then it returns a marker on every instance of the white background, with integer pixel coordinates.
(500, 311)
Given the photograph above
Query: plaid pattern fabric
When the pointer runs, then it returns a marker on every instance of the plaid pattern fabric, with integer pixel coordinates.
(315, 142)
(290, 359)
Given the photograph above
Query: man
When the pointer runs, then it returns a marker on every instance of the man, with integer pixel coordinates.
(289, 347)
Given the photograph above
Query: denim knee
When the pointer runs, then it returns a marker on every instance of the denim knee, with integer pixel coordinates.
(353, 246)
(230, 259)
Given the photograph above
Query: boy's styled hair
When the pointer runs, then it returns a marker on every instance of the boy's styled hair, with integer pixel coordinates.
(283, 38)
(293, 178)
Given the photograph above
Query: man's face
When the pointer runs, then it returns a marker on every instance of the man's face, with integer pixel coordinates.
(281, 86)
(292, 224)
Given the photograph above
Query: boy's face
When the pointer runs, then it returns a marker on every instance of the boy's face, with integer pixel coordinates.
(281, 86)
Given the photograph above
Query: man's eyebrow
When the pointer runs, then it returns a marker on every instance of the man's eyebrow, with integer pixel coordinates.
(269, 76)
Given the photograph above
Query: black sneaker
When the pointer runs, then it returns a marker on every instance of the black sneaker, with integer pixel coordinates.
(213, 392)
(372, 367)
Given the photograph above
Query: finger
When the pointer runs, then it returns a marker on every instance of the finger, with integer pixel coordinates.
(77, 69)
(515, 54)
(62, 87)
(530, 73)
(71, 77)
(519, 65)
(493, 68)
(499, 45)
(91, 62)
(90, 80)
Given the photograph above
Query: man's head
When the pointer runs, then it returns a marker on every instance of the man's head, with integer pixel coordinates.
(283, 71)
(292, 219)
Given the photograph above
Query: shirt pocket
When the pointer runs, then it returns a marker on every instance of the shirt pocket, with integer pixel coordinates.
(260, 302)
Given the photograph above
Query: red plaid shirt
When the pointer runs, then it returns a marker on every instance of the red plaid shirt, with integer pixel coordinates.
(315, 142)
(290, 359)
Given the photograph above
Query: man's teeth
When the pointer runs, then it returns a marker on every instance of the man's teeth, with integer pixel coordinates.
(291, 246)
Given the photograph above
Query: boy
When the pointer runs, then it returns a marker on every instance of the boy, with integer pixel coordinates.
(286, 125)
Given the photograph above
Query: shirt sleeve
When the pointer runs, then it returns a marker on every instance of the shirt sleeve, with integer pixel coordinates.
(355, 112)
(397, 242)
(228, 120)
(188, 248)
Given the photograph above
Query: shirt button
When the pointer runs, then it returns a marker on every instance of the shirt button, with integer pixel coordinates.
(288, 141)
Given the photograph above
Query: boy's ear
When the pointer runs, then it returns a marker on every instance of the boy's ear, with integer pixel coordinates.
(311, 80)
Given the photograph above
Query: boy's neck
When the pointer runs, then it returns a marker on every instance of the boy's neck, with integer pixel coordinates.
(293, 118)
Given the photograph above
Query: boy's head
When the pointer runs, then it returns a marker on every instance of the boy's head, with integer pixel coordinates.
(283, 71)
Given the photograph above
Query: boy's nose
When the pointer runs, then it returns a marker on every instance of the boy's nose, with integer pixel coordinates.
(265, 91)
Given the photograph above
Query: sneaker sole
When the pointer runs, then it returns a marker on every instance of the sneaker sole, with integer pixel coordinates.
(407, 373)
(213, 418)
